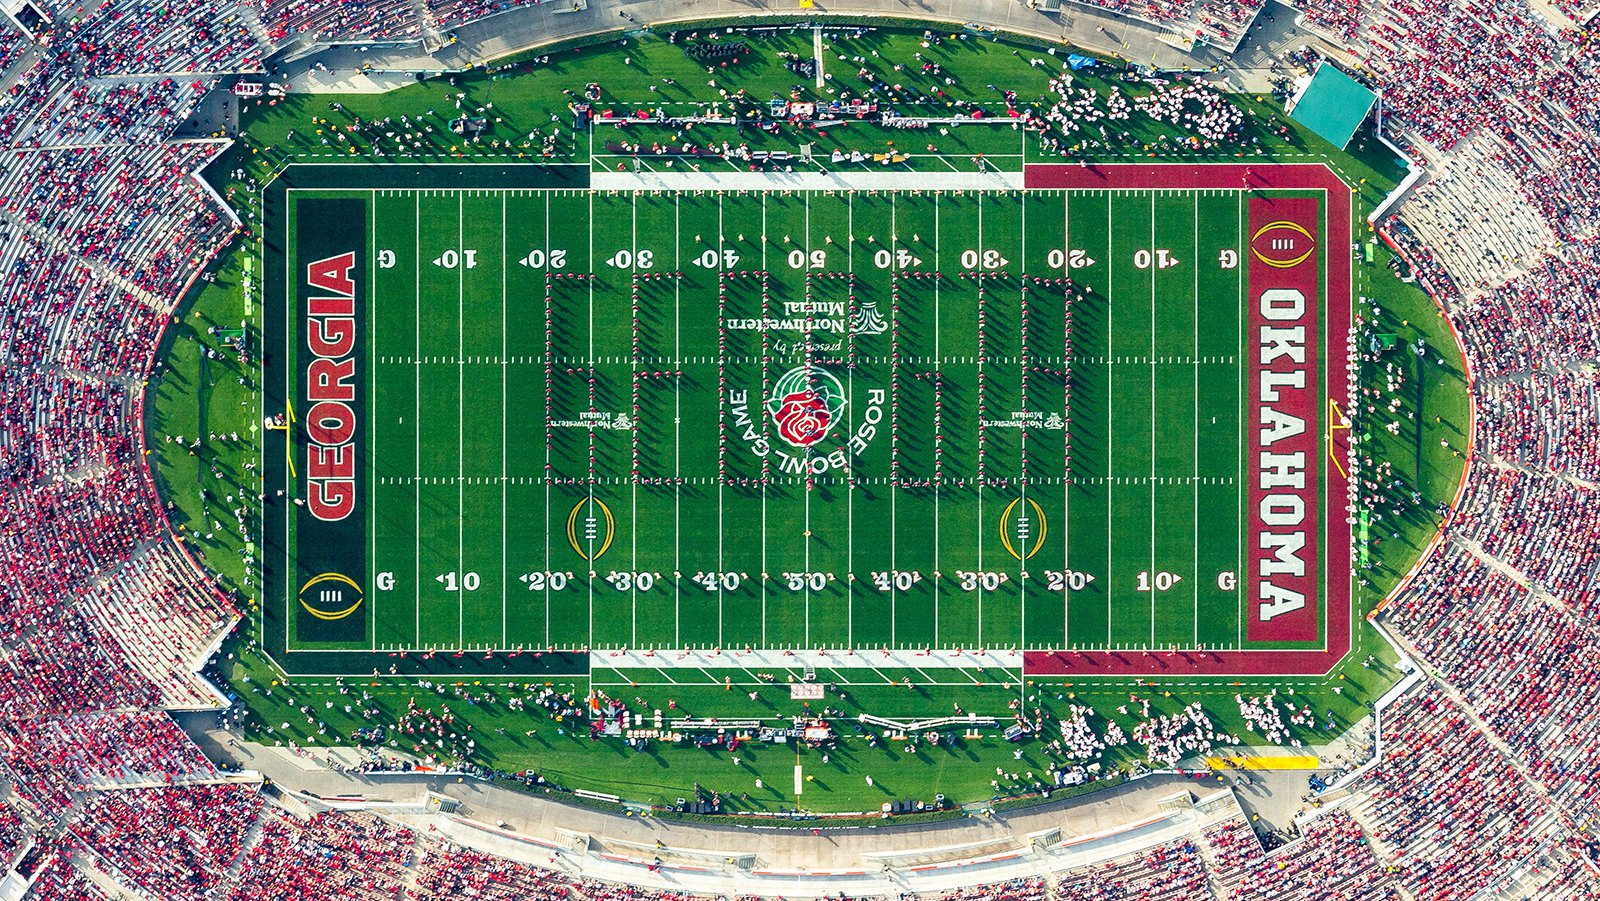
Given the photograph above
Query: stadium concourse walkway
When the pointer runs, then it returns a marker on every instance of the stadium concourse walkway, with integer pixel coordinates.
(793, 862)
(389, 66)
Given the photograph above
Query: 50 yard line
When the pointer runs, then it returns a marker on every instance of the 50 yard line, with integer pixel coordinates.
(850, 491)
(807, 361)
(590, 480)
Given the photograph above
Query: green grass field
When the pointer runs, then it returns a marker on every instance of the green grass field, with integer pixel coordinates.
(976, 483)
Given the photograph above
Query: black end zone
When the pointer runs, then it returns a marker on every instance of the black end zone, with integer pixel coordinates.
(315, 566)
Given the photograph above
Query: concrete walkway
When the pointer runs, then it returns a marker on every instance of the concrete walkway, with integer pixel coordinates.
(793, 862)
(339, 69)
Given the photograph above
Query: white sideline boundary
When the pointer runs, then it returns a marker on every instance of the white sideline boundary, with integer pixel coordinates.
(624, 658)
(806, 181)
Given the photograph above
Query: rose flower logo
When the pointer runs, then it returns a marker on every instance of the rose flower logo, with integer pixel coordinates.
(805, 403)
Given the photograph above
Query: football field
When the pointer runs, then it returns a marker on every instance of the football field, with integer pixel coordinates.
(569, 418)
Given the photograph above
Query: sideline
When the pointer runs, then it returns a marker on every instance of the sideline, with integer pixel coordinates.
(806, 181)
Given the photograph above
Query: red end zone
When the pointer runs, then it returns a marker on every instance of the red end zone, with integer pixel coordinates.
(1289, 449)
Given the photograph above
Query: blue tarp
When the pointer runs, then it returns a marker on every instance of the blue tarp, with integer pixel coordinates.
(1333, 105)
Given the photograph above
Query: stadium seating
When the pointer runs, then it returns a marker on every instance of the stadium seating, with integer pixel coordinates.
(329, 856)
(1170, 871)
(176, 843)
(58, 880)
(103, 618)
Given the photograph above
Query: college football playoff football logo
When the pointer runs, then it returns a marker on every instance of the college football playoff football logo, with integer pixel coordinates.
(1282, 244)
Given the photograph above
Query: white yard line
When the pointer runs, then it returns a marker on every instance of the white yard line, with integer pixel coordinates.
(461, 423)
(765, 243)
(982, 592)
(1111, 398)
(416, 494)
(372, 404)
(1195, 256)
(677, 423)
(806, 181)
(894, 402)
(1066, 413)
(1153, 268)
(588, 480)
(633, 488)
(850, 392)
(1022, 544)
(807, 360)
(505, 592)
(938, 489)
(549, 290)
(722, 452)
(1244, 365)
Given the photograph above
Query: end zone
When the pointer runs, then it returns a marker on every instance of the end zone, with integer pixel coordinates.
(1291, 443)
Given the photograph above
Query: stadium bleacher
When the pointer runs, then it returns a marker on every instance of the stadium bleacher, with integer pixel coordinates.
(103, 617)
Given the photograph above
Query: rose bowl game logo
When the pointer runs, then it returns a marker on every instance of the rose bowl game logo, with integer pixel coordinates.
(805, 403)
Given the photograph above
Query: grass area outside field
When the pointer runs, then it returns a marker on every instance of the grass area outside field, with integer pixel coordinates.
(565, 756)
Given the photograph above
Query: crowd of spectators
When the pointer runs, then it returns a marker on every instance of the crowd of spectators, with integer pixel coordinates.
(103, 750)
(336, 20)
(1514, 85)
(13, 832)
(448, 871)
(1172, 871)
(352, 857)
(59, 880)
(1220, 22)
(450, 13)
(1540, 319)
(172, 843)
(101, 227)
(1449, 809)
(1523, 660)
(1331, 858)
(1542, 525)
(1546, 421)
